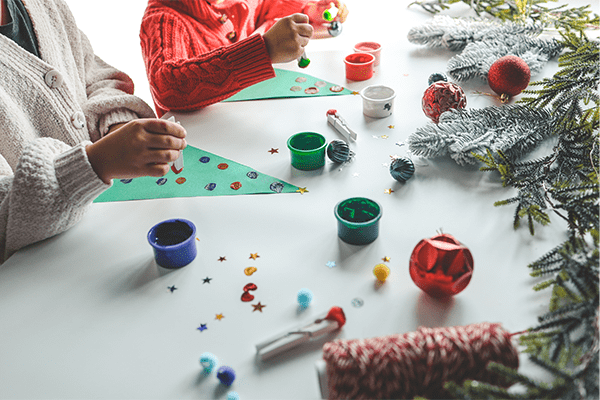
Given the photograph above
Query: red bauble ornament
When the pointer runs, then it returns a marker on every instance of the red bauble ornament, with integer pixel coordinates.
(508, 76)
(442, 96)
(441, 266)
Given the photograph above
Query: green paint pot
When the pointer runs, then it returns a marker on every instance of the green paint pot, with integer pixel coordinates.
(307, 150)
(358, 220)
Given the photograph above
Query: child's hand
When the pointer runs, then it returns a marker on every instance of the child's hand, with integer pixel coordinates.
(142, 147)
(286, 39)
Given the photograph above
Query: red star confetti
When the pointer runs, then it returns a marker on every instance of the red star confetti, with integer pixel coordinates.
(258, 307)
(254, 256)
(388, 191)
(222, 259)
(302, 190)
(386, 259)
(273, 151)
(219, 316)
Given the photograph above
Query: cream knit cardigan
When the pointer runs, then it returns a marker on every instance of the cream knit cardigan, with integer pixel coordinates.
(50, 109)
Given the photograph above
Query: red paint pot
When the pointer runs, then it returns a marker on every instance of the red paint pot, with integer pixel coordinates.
(371, 48)
(359, 66)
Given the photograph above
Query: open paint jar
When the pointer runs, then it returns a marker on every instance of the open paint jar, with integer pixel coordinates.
(174, 242)
(359, 66)
(371, 48)
(378, 101)
(307, 150)
(358, 220)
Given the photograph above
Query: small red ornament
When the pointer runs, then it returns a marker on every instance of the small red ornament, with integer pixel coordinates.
(440, 97)
(508, 76)
(441, 266)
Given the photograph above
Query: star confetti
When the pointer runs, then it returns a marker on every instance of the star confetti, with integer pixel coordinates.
(273, 150)
(258, 307)
(384, 136)
(302, 190)
(355, 93)
(399, 144)
(386, 259)
(219, 316)
(172, 288)
(254, 256)
(356, 174)
(222, 259)
(330, 264)
(206, 280)
(391, 126)
(388, 191)
(202, 327)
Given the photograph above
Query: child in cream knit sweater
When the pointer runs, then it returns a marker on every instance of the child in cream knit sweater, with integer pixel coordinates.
(69, 124)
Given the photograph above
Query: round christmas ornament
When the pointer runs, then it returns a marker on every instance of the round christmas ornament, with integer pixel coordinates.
(440, 97)
(436, 77)
(508, 76)
(441, 266)
(339, 152)
(402, 169)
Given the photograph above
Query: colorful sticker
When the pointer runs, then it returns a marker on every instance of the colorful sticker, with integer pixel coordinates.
(311, 90)
(210, 186)
(300, 79)
(204, 159)
(320, 83)
(180, 180)
(161, 181)
(252, 174)
(336, 89)
(235, 185)
(295, 88)
(126, 181)
(223, 166)
(276, 187)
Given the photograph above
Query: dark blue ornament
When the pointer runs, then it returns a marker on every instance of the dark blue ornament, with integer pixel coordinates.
(339, 152)
(402, 169)
(436, 77)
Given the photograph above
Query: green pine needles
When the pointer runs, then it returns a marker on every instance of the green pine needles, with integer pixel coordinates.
(562, 184)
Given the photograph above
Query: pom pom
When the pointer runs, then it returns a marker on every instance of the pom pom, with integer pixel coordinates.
(336, 314)
(233, 396)
(381, 272)
(226, 375)
(440, 97)
(508, 76)
(402, 169)
(437, 77)
(305, 296)
(208, 362)
(339, 152)
(441, 266)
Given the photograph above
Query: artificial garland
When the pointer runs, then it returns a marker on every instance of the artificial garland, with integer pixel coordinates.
(564, 183)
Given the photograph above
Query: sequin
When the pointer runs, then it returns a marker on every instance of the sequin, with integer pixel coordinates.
(357, 302)
(210, 186)
(126, 181)
(336, 88)
(300, 79)
(295, 88)
(204, 159)
(235, 185)
(223, 166)
(161, 181)
(180, 180)
(276, 187)
(252, 174)
(311, 90)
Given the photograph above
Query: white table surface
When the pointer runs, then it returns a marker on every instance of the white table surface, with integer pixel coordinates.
(88, 314)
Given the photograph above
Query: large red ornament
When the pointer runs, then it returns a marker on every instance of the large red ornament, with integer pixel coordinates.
(441, 266)
(442, 96)
(508, 76)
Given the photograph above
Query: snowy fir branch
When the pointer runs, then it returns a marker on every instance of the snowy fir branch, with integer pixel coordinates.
(563, 183)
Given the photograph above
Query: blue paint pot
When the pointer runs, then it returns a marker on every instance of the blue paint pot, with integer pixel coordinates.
(358, 220)
(174, 242)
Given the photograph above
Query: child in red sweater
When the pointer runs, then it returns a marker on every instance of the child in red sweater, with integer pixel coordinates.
(199, 52)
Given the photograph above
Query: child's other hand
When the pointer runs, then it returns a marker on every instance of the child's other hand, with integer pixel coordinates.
(142, 147)
(286, 39)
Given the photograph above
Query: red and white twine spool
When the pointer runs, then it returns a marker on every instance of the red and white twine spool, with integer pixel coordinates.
(417, 363)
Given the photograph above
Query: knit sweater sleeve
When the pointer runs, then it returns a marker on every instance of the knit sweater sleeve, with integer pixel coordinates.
(190, 67)
(48, 193)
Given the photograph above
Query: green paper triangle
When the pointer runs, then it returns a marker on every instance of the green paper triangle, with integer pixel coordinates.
(281, 85)
(204, 174)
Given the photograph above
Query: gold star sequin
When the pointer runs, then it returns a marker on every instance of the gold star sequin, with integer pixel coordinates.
(355, 93)
(391, 126)
(258, 307)
(388, 191)
(302, 190)
(254, 256)
(384, 136)
(219, 316)
(386, 259)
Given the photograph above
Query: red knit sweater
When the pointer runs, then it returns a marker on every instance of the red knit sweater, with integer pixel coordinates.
(198, 53)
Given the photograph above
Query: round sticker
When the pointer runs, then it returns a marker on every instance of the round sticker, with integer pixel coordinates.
(126, 181)
(223, 166)
(336, 89)
(161, 181)
(210, 186)
(320, 83)
(235, 185)
(276, 187)
(300, 79)
(180, 180)
(204, 159)
(311, 90)
(252, 174)
(295, 88)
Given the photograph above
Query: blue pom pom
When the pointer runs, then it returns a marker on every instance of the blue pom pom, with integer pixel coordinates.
(305, 296)
(436, 77)
(402, 169)
(233, 396)
(209, 361)
(226, 375)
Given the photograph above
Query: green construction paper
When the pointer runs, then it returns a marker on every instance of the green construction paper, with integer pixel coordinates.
(280, 87)
(200, 169)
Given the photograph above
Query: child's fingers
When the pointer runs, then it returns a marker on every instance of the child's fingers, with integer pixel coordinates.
(163, 127)
(165, 142)
(162, 156)
(299, 18)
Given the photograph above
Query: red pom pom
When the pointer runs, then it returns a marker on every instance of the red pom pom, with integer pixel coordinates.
(508, 76)
(441, 266)
(440, 97)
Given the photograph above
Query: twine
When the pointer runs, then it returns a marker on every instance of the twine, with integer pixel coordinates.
(417, 363)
